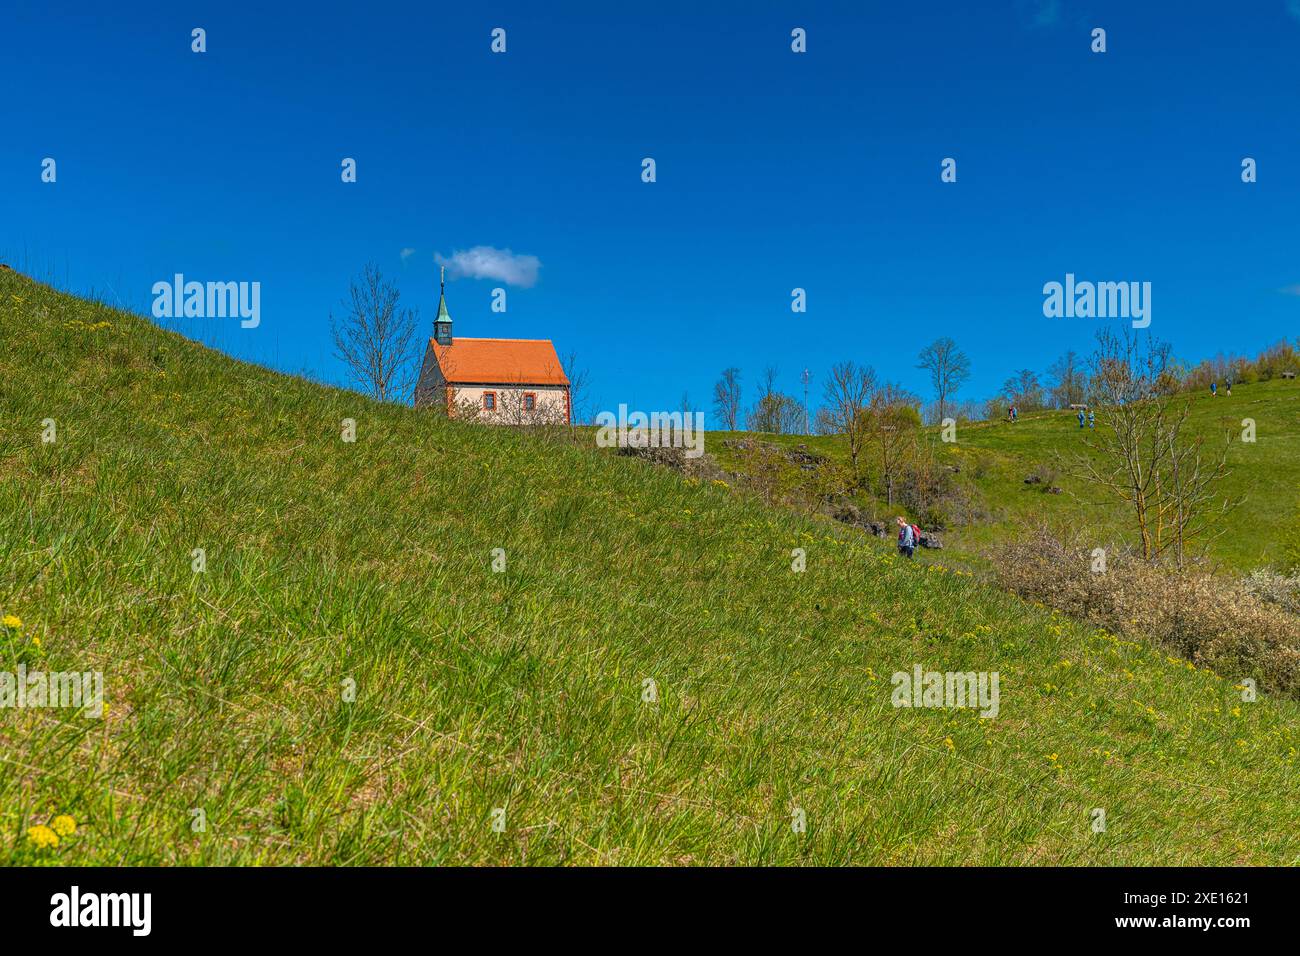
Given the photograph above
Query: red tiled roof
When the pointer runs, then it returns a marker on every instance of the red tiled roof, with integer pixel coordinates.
(499, 362)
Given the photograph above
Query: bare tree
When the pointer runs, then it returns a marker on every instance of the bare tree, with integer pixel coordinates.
(848, 394)
(890, 425)
(973, 410)
(806, 377)
(769, 472)
(1128, 453)
(579, 379)
(774, 411)
(1141, 452)
(1023, 390)
(376, 339)
(1067, 381)
(949, 369)
(924, 477)
(767, 384)
(777, 413)
(1187, 505)
(891, 393)
(785, 414)
(726, 398)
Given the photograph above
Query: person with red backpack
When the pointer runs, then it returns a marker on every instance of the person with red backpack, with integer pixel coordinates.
(909, 536)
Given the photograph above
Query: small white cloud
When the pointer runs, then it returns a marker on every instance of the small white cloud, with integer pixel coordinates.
(1290, 289)
(406, 254)
(1293, 8)
(486, 262)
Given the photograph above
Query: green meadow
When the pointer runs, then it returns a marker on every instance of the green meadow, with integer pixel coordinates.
(348, 680)
(995, 457)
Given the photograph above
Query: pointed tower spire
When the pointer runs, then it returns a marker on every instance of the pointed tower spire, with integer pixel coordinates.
(442, 323)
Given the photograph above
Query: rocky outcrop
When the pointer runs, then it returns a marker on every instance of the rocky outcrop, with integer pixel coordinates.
(799, 455)
(849, 513)
(703, 466)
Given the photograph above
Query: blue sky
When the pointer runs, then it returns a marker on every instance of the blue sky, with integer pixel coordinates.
(775, 170)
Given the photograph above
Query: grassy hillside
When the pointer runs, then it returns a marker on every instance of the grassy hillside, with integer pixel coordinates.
(330, 562)
(996, 457)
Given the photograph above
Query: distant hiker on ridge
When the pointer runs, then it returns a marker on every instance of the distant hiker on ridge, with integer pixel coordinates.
(1092, 418)
(1081, 419)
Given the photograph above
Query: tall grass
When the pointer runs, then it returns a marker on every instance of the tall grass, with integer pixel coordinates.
(370, 564)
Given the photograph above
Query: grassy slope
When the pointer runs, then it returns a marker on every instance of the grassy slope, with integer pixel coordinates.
(1265, 473)
(523, 690)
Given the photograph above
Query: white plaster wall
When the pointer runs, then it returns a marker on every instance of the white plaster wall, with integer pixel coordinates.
(551, 403)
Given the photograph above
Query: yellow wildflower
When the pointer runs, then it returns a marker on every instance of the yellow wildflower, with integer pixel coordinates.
(63, 825)
(42, 837)
(13, 621)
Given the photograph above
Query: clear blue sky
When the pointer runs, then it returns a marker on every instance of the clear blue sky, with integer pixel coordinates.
(775, 170)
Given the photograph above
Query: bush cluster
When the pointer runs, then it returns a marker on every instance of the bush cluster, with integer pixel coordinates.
(1225, 624)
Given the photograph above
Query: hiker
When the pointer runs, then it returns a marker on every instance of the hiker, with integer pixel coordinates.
(1214, 389)
(1229, 388)
(1015, 414)
(1092, 419)
(1081, 419)
(908, 537)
